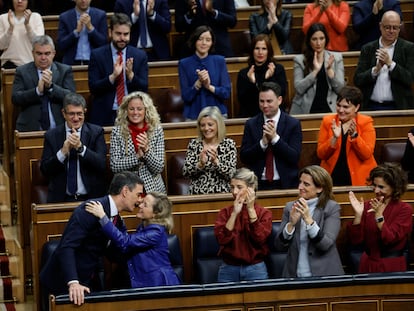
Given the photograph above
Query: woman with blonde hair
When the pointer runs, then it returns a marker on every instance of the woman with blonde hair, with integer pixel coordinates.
(137, 141)
(242, 230)
(148, 260)
(211, 157)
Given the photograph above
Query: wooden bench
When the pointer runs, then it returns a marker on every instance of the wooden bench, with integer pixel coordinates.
(391, 126)
(191, 212)
(238, 33)
(386, 292)
(162, 76)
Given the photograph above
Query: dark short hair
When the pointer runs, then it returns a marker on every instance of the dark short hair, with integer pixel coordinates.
(272, 86)
(119, 19)
(351, 94)
(74, 99)
(195, 35)
(122, 179)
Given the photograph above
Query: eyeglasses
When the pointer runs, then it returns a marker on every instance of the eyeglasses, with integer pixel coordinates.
(391, 27)
(72, 114)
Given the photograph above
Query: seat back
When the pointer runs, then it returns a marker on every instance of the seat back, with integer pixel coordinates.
(393, 152)
(39, 184)
(175, 255)
(275, 261)
(169, 104)
(206, 261)
(177, 183)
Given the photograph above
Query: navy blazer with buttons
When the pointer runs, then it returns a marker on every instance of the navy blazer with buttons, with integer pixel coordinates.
(157, 28)
(103, 91)
(67, 42)
(286, 151)
(78, 255)
(92, 164)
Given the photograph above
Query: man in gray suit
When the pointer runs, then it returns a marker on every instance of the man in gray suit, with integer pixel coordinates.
(39, 88)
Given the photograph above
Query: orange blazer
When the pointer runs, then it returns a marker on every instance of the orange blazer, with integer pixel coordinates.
(335, 19)
(359, 151)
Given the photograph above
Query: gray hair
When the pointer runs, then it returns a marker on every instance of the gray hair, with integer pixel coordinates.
(43, 40)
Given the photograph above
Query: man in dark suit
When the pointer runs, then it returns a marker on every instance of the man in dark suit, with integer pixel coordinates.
(272, 142)
(385, 70)
(76, 261)
(81, 29)
(83, 141)
(218, 14)
(155, 20)
(39, 88)
(112, 63)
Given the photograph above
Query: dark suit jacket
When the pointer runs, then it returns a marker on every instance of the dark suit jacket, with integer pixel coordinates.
(92, 165)
(103, 91)
(226, 18)
(157, 29)
(67, 42)
(402, 76)
(24, 94)
(79, 254)
(286, 151)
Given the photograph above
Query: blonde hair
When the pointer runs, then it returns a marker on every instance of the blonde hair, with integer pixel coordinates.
(152, 118)
(162, 209)
(248, 176)
(214, 113)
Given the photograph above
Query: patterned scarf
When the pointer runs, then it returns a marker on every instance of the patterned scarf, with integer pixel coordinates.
(135, 131)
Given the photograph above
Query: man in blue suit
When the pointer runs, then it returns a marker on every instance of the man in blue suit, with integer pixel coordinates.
(76, 261)
(154, 20)
(272, 142)
(81, 29)
(84, 141)
(112, 63)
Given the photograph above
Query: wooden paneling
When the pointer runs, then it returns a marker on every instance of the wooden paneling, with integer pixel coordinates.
(191, 212)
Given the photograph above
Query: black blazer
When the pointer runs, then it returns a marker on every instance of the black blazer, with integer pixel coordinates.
(92, 164)
(286, 151)
(157, 29)
(79, 253)
(103, 92)
(225, 19)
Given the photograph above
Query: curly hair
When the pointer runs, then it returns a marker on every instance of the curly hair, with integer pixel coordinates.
(393, 176)
(152, 118)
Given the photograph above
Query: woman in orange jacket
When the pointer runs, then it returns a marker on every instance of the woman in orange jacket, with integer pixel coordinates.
(335, 16)
(346, 141)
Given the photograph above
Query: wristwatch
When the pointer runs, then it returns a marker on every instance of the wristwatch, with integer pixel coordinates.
(80, 149)
(379, 219)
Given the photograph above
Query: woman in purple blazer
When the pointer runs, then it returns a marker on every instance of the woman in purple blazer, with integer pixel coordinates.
(147, 248)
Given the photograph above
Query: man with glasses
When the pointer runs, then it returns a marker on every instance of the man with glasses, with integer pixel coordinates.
(39, 88)
(74, 155)
(385, 71)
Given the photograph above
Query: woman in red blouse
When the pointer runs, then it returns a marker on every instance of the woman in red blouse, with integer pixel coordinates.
(382, 224)
(242, 231)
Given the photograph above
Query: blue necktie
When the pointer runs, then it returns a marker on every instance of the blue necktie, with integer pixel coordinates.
(142, 28)
(72, 172)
